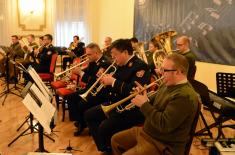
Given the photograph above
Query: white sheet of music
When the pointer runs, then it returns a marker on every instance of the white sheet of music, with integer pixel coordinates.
(42, 111)
(39, 153)
(40, 83)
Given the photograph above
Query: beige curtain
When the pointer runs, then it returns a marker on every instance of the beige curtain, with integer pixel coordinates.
(70, 20)
(5, 22)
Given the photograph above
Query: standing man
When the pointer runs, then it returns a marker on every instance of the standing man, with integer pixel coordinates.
(129, 69)
(182, 44)
(169, 114)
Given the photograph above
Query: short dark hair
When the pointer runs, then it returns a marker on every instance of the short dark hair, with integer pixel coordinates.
(15, 36)
(41, 37)
(180, 62)
(94, 46)
(32, 36)
(49, 36)
(155, 43)
(76, 36)
(122, 45)
(134, 39)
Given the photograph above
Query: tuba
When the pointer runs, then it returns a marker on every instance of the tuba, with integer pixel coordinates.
(164, 40)
(141, 53)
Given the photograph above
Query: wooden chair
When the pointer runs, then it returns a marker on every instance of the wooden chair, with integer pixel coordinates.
(49, 77)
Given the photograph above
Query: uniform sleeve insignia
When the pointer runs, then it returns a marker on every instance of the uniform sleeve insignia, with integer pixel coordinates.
(140, 73)
(130, 64)
(49, 53)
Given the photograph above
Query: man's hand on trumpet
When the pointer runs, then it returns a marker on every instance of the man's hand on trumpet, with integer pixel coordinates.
(141, 98)
(107, 79)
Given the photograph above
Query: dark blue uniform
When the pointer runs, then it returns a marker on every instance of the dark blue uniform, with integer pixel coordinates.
(77, 106)
(101, 127)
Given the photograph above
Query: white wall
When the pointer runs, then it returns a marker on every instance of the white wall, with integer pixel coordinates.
(116, 18)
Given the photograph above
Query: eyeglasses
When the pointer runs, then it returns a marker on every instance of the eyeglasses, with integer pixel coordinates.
(167, 70)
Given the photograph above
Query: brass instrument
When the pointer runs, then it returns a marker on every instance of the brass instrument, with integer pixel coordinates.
(141, 53)
(164, 40)
(107, 109)
(94, 89)
(83, 60)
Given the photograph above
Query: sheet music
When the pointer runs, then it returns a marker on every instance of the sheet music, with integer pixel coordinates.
(40, 107)
(40, 83)
(40, 153)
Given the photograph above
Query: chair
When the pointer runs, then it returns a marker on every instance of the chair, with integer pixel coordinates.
(192, 131)
(49, 77)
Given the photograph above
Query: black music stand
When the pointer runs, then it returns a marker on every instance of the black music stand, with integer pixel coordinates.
(7, 89)
(42, 110)
(225, 83)
(32, 127)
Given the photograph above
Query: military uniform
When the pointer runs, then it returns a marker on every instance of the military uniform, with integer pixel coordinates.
(17, 54)
(44, 59)
(101, 127)
(77, 106)
(78, 50)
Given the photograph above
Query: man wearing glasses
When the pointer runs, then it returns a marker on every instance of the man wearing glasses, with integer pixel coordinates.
(182, 44)
(169, 114)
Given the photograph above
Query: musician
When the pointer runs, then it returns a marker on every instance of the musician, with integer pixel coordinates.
(32, 45)
(130, 69)
(77, 106)
(44, 55)
(77, 47)
(16, 54)
(182, 44)
(106, 50)
(169, 114)
(153, 47)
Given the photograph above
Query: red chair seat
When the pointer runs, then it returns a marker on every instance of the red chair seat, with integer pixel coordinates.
(46, 76)
(58, 84)
(64, 92)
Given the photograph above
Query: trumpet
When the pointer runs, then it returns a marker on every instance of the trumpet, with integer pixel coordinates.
(94, 89)
(107, 109)
(84, 60)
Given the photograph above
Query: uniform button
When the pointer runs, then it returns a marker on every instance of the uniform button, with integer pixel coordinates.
(110, 93)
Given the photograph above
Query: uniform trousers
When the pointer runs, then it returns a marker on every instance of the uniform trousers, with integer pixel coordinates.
(102, 128)
(135, 141)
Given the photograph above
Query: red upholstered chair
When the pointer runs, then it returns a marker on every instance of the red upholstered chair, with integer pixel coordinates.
(49, 77)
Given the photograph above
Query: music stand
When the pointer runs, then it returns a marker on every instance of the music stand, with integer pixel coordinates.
(42, 110)
(29, 90)
(7, 89)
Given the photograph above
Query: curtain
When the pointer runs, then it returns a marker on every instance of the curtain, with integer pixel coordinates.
(70, 20)
(5, 22)
(209, 24)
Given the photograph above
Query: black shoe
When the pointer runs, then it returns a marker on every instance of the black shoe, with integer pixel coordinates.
(80, 129)
(76, 124)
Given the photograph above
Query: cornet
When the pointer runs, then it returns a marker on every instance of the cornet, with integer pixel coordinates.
(94, 89)
(107, 109)
(83, 60)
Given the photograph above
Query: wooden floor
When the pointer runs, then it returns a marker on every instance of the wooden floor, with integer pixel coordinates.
(13, 113)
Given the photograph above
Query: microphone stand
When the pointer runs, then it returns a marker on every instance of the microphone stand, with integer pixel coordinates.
(7, 89)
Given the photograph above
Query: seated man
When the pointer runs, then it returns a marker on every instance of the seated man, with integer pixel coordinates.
(97, 62)
(44, 56)
(129, 69)
(169, 114)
